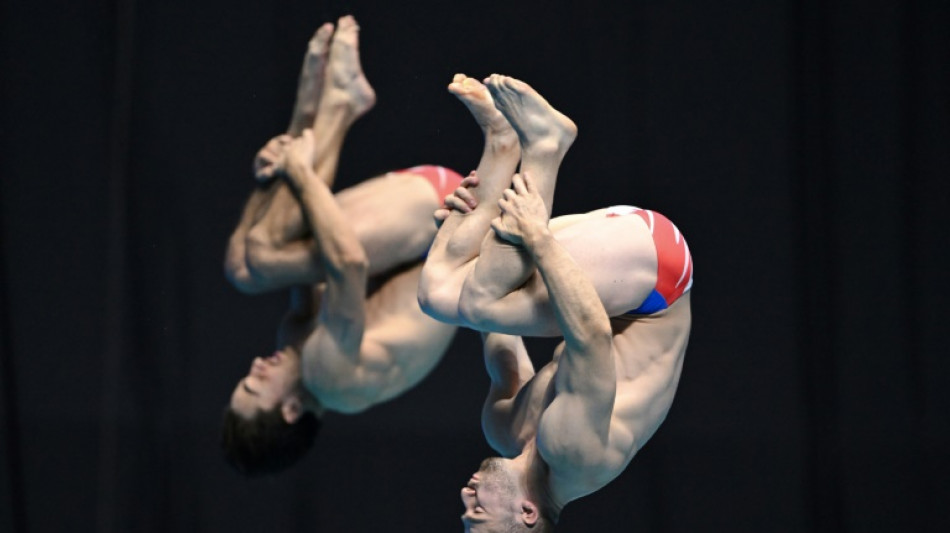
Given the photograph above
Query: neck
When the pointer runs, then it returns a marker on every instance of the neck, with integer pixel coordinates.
(534, 478)
(310, 402)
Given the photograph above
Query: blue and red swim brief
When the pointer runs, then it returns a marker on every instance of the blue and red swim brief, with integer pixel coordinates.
(674, 272)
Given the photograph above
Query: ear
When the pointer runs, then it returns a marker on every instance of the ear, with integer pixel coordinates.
(529, 513)
(291, 409)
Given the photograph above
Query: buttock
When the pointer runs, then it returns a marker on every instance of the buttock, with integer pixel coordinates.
(674, 273)
(444, 180)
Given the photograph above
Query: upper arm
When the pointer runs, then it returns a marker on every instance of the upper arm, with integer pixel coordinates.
(331, 352)
(507, 363)
(574, 431)
(506, 414)
(343, 312)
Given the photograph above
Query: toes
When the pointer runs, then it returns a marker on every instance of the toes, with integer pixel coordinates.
(324, 33)
(347, 22)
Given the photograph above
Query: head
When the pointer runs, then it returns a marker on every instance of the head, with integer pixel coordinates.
(272, 420)
(498, 499)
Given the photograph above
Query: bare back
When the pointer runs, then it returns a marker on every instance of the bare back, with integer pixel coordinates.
(413, 341)
(648, 353)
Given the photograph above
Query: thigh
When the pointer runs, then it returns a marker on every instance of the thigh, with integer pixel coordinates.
(281, 222)
(618, 255)
(392, 217)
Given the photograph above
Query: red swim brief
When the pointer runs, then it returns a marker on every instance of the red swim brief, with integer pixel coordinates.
(444, 180)
(674, 272)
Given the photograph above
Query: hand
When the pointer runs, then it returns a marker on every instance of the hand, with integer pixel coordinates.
(523, 214)
(461, 200)
(265, 162)
(297, 157)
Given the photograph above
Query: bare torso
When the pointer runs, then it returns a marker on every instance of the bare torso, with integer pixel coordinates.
(400, 346)
(648, 352)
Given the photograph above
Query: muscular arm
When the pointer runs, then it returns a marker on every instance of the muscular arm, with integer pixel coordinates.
(331, 355)
(504, 423)
(267, 250)
(573, 434)
(574, 429)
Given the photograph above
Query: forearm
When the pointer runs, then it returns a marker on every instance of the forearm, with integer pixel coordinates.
(340, 249)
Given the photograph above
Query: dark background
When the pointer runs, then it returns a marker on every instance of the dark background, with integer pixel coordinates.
(801, 146)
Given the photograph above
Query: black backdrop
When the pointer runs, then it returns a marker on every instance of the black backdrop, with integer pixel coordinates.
(801, 146)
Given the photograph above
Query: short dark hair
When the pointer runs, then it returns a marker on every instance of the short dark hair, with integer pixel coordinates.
(266, 443)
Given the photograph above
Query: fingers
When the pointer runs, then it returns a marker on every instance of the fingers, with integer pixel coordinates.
(529, 184)
(275, 145)
(455, 203)
(518, 182)
(466, 196)
(440, 215)
(498, 227)
(264, 174)
(470, 181)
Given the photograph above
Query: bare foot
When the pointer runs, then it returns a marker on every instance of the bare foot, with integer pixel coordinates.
(540, 127)
(346, 83)
(478, 100)
(310, 86)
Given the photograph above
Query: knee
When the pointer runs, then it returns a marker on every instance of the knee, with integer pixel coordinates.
(240, 277)
(257, 246)
(436, 296)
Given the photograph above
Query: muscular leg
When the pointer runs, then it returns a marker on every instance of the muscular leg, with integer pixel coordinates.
(458, 240)
(261, 235)
(280, 251)
(545, 136)
(310, 85)
(235, 259)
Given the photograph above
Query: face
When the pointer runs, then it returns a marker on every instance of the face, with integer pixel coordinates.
(490, 497)
(271, 381)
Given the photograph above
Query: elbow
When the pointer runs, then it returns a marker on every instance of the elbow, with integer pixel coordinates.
(355, 262)
(350, 265)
